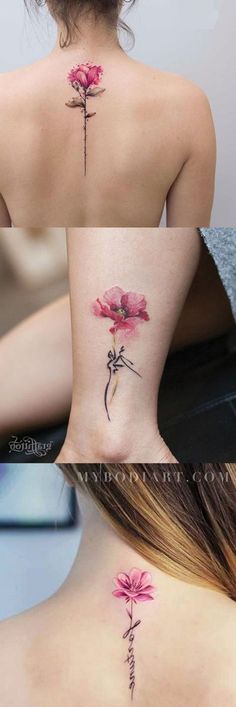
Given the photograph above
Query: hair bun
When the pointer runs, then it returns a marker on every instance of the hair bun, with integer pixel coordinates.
(68, 12)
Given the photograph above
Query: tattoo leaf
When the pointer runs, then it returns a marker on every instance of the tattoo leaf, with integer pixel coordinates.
(75, 103)
(95, 91)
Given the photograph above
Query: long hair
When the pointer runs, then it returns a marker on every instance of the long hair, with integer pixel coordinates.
(69, 11)
(180, 517)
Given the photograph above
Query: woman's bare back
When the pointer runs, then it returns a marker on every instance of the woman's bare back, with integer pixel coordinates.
(151, 140)
(71, 655)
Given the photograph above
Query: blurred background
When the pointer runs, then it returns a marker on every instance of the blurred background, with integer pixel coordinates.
(33, 272)
(192, 38)
(39, 534)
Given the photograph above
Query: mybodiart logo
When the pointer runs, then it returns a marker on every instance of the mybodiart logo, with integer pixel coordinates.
(196, 476)
(29, 446)
(163, 476)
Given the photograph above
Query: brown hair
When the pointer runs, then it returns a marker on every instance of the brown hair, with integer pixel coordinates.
(68, 12)
(180, 517)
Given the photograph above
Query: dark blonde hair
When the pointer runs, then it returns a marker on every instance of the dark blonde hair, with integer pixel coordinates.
(68, 12)
(180, 517)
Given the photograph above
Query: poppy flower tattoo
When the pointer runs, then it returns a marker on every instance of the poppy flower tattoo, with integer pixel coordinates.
(127, 310)
(134, 587)
(85, 79)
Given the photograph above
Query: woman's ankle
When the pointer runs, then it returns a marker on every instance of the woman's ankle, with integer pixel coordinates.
(122, 443)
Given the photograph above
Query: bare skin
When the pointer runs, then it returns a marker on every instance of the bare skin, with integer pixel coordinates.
(69, 650)
(43, 343)
(151, 142)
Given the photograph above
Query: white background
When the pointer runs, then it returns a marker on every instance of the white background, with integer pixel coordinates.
(33, 563)
(195, 38)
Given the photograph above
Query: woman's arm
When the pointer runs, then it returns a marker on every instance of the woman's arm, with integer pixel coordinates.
(36, 256)
(190, 198)
(36, 370)
(5, 219)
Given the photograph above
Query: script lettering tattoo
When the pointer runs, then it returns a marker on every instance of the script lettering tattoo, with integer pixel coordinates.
(134, 586)
(85, 80)
(127, 311)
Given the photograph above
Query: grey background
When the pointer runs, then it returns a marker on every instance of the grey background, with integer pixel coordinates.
(195, 38)
(34, 563)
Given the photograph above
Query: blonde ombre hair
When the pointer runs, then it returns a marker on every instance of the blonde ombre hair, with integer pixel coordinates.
(180, 517)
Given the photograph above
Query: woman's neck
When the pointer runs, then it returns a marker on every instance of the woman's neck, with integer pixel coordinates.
(92, 36)
(138, 640)
(103, 555)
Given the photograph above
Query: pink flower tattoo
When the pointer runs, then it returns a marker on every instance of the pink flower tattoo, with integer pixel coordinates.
(127, 310)
(85, 79)
(134, 586)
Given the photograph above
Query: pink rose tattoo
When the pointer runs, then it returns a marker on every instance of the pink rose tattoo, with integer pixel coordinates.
(85, 79)
(127, 310)
(134, 587)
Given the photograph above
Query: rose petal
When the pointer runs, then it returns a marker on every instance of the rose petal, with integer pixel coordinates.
(144, 315)
(146, 588)
(106, 312)
(113, 296)
(93, 75)
(102, 310)
(126, 327)
(96, 308)
(134, 303)
(146, 578)
(135, 577)
(144, 597)
(119, 594)
(84, 67)
(82, 79)
(122, 580)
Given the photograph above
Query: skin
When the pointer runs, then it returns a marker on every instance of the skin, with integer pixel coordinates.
(36, 256)
(161, 265)
(43, 342)
(69, 650)
(154, 128)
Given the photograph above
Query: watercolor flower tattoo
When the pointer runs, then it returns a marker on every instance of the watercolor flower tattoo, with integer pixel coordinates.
(85, 79)
(127, 310)
(134, 587)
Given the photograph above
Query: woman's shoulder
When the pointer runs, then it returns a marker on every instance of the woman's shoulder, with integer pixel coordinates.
(222, 673)
(23, 641)
(20, 92)
(16, 80)
(12, 641)
(15, 634)
(175, 84)
(181, 98)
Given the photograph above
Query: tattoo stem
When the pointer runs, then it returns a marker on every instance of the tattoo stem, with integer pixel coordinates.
(131, 624)
(131, 660)
(106, 394)
(85, 132)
